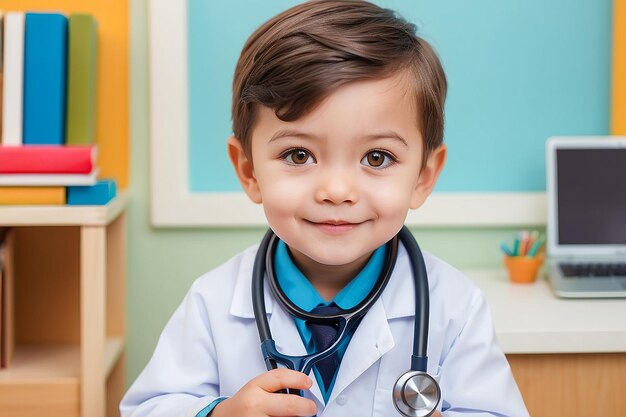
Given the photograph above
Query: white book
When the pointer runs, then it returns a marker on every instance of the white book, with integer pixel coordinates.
(44, 180)
(13, 89)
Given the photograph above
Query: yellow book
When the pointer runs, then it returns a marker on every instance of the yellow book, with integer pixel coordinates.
(32, 195)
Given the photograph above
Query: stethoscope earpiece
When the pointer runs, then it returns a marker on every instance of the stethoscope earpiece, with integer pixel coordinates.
(416, 394)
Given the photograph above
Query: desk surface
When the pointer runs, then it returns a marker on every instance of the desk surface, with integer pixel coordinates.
(529, 318)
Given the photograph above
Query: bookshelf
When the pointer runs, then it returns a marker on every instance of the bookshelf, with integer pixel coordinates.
(69, 306)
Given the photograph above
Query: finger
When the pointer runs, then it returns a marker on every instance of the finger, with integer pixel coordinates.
(278, 379)
(288, 405)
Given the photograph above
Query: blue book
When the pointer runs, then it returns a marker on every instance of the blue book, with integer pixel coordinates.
(45, 57)
(94, 195)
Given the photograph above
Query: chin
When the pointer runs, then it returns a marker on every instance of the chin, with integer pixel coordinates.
(339, 258)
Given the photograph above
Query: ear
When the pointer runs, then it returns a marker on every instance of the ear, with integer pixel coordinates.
(244, 169)
(428, 176)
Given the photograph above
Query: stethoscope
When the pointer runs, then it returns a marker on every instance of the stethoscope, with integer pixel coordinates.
(415, 393)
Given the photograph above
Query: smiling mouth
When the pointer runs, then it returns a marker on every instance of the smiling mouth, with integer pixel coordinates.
(336, 222)
(334, 227)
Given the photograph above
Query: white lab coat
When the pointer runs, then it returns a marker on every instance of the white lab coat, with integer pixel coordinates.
(210, 348)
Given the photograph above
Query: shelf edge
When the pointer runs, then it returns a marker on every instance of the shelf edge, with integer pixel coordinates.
(64, 215)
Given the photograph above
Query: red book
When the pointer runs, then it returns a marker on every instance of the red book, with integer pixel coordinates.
(47, 159)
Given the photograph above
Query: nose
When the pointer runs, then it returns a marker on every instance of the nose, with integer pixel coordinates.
(337, 186)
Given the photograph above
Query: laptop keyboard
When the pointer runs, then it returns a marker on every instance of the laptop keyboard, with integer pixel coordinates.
(593, 269)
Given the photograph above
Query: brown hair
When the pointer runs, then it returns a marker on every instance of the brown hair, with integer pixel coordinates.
(296, 59)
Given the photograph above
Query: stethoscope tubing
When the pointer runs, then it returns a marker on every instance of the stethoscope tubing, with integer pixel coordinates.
(347, 320)
(422, 304)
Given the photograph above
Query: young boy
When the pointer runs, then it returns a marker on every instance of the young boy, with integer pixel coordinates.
(338, 129)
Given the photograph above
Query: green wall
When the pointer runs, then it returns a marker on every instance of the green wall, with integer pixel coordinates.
(163, 262)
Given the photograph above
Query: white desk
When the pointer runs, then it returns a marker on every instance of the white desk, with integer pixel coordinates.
(568, 356)
(529, 318)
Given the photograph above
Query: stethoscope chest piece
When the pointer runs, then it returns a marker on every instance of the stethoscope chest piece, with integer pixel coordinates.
(416, 394)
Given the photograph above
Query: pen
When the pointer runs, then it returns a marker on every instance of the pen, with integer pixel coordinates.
(524, 244)
(536, 246)
(516, 245)
(505, 248)
(532, 238)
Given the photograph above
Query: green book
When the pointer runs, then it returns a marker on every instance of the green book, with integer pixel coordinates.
(81, 79)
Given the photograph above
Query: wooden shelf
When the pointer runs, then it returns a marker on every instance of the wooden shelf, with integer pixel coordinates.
(39, 363)
(54, 362)
(113, 349)
(63, 215)
(52, 374)
(68, 310)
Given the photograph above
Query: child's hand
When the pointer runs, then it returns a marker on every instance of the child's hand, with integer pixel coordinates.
(259, 397)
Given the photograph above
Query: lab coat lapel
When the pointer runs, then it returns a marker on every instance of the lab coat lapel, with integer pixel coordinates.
(288, 341)
(373, 337)
(285, 333)
(371, 340)
(282, 326)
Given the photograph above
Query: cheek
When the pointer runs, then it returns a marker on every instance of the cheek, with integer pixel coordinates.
(390, 198)
(282, 196)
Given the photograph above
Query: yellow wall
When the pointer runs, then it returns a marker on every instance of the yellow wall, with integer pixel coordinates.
(618, 99)
(112, 129)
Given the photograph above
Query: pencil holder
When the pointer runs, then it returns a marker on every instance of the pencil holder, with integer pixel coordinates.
(523, 269)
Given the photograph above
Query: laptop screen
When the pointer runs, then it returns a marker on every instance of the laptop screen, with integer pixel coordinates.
(591, 196)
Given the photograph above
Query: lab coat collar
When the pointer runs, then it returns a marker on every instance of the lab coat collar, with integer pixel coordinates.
(398, 297)
(241, 305)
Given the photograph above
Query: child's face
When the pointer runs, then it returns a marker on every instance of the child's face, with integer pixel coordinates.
(338, 182)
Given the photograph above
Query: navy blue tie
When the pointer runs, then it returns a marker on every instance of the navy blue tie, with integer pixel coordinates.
(323, 336)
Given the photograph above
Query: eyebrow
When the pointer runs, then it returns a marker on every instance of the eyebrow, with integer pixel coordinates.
(290, 133)
(387, 134)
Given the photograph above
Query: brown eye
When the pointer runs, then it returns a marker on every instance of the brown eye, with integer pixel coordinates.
(299, 157)
(375, 159)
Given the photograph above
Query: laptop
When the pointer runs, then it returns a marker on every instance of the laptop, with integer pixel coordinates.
(586, 228)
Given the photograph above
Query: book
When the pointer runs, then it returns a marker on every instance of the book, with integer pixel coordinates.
(45, 56)
(47, 180)
(32, 195)
(81, 79)
(95, 195)
(47, 159)
(12, 78)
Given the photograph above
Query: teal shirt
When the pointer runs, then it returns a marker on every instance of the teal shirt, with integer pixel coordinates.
(300, 291)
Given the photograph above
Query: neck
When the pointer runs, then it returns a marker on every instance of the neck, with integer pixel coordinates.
(328, 280)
